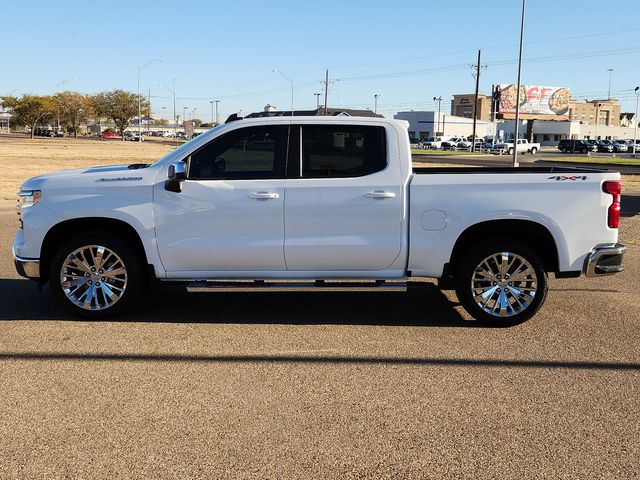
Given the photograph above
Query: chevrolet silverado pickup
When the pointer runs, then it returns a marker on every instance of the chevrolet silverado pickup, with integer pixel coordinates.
(522, 145)
(318, 204)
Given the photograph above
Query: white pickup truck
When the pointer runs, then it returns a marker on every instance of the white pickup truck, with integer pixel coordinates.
(321, 204)
(522, 145)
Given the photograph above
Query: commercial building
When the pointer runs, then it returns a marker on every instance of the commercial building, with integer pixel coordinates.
(547, 132)
(592, 112)
(423, 125)
(462, 106)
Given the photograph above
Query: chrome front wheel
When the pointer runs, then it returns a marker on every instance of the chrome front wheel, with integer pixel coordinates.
(96, 275)
(93, 277)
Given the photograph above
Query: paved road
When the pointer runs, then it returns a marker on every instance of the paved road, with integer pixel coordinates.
(330, 386)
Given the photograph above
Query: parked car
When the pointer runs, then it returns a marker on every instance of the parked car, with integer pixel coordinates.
(605, 146)
(522, 145)
(211, 216)
(133, 136)
(434, 142)
(633, 147)
(109, 135)
(464, 143)
(619, 146)
(576, 146)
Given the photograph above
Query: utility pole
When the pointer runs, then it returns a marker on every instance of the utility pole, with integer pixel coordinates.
(475, 103)
(515, 133)
(326, 91)
(635, 124)
(610, 70)
(437, 132)
(375, 104)
(317, 100)
(149, 112)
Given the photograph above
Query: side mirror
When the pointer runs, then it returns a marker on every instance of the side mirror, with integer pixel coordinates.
(177, 171)
(176, 175)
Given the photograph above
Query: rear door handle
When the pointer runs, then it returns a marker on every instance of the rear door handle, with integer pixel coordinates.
(380, 194)
(264, 195)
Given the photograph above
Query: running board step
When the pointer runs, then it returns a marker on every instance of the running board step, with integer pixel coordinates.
(297, 286)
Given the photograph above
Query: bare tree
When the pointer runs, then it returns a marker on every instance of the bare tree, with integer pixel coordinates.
(119, 105)
(74, 109)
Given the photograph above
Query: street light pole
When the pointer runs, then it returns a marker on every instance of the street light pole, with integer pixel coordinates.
(375, 104)
(317, 100)
(140, 68)
(515, 140)
(635, 123)
(435, 134)
(217, 102)
(275, 70)
(610, 70)
(211, 102)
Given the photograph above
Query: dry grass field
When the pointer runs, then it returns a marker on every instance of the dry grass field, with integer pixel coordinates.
(22, 158)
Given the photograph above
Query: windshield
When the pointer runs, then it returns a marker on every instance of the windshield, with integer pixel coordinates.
(186, 145)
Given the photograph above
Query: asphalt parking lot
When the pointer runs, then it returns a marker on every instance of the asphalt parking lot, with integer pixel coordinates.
(323, 386)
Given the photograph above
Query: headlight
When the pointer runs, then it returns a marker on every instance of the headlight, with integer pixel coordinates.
(28, 198)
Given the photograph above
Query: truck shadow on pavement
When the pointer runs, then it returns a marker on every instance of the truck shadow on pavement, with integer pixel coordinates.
(422, 305)
(630, 205)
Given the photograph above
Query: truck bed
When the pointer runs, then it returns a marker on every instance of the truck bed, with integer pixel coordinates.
(502, 170)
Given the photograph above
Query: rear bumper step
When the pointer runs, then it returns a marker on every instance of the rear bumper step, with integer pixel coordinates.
(296, 286)
(605, 261)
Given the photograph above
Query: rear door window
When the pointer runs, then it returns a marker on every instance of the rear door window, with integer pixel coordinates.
(342, 150)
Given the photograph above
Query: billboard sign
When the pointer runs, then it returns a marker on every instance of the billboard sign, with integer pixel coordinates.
(534, 99)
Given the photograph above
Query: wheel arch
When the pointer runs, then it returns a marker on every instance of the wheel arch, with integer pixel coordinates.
(63, 230)
(535, 235)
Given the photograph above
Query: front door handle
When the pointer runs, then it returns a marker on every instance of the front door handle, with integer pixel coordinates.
(264, 196)
(380, 194)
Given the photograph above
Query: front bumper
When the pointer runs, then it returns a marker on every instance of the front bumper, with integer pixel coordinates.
(27, 267)
(605, 261)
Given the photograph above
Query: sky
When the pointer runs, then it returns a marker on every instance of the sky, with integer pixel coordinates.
(406, 52)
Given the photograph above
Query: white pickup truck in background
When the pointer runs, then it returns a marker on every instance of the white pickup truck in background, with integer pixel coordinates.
(319, 204)
(522, 145)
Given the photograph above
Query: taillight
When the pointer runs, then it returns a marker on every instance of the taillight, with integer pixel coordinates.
(615, 189)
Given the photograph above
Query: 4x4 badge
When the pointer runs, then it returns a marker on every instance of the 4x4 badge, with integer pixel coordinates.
(564, 178)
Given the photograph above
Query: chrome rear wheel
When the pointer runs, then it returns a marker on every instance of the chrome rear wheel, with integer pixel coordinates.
(501, 282)
(504, 284)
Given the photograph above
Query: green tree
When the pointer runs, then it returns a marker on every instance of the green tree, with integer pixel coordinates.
(74, 109)
(29, 110)
(196, 122)
(120, 106)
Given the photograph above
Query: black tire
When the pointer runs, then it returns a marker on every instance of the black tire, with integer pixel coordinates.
(534, 150)
(471, 273)
(127, 286)
(510, 151)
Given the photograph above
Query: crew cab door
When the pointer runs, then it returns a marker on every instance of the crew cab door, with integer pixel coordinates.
(344, 199)
(229, 215)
